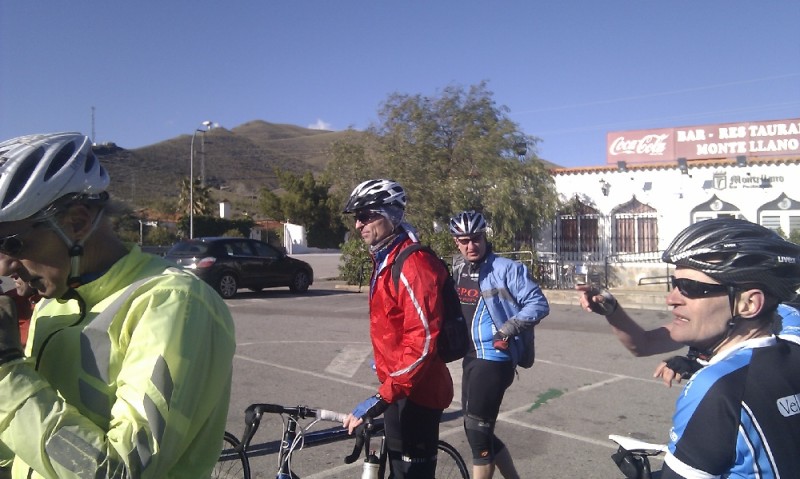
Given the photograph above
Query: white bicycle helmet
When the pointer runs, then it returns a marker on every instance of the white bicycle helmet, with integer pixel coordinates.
(37, 170)
(376, 193)
(467, 223)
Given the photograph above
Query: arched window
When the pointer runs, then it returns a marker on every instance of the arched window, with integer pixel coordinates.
(715, 208)
(577, 232)
(782, 213)
(635, 228)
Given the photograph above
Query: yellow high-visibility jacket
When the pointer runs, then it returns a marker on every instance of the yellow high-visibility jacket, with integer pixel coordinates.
(136, 386)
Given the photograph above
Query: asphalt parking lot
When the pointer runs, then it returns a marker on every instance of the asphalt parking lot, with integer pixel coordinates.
(314, 350)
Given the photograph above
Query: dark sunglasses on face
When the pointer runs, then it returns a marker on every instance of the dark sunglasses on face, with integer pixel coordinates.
(468, 240)
(692, 289)
(12, 245)
(366, 217)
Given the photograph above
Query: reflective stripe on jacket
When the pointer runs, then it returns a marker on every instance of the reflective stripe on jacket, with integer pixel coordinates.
(404, 325)
(142, 392)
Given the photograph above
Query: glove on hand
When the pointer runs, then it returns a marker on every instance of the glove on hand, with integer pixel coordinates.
(371, 407)
(683, 366)
(500, 341)
(606, 306)
(10, 343)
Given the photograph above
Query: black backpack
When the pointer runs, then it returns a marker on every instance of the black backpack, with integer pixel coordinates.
(453, 342)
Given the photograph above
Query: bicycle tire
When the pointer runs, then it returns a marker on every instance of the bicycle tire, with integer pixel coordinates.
(232, 462)
(449, 463)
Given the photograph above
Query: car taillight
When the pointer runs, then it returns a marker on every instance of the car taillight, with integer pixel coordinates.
(205, 262)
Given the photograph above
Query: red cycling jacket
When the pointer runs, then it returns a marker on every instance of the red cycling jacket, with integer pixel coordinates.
(404, 325)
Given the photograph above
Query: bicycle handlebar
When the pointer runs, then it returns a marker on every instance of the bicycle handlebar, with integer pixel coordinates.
(253, 413)
(301, 412)
(363, 433)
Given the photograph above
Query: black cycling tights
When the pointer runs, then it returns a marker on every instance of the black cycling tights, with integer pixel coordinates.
(483, 385)
(412, 433)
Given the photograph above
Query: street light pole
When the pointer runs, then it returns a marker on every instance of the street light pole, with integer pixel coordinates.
(207, 124)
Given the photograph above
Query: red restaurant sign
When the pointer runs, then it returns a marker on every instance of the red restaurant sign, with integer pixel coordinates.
(729, 140)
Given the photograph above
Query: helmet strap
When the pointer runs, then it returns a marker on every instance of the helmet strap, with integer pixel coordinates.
(75, 247)
(712, 349)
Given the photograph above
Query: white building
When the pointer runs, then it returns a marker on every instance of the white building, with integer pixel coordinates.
(656, 182)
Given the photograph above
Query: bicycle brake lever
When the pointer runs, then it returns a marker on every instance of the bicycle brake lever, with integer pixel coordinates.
(361, 432)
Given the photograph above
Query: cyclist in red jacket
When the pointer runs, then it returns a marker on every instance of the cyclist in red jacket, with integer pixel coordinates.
(25, 298)
(404, 323)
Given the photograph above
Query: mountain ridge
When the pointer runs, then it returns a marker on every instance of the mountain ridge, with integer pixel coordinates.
(238, 162)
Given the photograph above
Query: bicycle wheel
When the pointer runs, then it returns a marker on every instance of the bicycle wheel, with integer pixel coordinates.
(232, 462)
(449, 463)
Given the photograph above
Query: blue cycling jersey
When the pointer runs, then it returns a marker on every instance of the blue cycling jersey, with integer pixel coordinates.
(739, 416)
(790, 320)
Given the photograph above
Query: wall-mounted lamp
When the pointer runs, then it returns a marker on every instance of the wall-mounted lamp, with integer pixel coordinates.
(741, 160)
(622, 166)
(605, 187)
(683, 166)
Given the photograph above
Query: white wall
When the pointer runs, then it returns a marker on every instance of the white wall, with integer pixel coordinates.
(674, 195)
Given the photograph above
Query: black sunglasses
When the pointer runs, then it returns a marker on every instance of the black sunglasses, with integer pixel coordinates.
(470, 239)
(366, 217)
(11, 245)
(692, 289)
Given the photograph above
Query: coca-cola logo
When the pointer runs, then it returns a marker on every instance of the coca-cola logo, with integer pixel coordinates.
(652, 145)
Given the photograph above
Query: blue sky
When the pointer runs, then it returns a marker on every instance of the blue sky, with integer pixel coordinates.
(569, 71)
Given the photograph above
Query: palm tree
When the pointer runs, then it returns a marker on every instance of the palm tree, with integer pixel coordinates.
(201, 197)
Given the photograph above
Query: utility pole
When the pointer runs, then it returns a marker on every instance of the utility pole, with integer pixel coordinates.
(93, 137)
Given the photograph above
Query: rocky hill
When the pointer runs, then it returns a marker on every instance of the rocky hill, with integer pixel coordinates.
(237, 162)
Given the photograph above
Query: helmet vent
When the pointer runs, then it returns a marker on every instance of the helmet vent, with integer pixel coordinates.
(22, 175)
(59, 160)
(91, 160)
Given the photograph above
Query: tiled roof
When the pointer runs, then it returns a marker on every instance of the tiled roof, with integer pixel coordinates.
(710, 163)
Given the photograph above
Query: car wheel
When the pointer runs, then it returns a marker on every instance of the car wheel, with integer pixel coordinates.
(300, 282)
(227, 285)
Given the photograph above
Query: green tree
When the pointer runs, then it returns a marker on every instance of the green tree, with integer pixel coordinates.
(454, 151)
(305, 201)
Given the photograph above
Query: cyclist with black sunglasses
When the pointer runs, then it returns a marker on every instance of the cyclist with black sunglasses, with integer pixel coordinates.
(641, 342)
(127, 368)
(739, 416)
(405, 319)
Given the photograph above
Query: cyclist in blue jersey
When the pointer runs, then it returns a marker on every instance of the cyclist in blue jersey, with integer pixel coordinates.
(740, 415)
(641, 342)
(502, 304)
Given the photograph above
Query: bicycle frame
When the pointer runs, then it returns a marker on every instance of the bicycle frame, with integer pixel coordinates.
(296, 435)
(291, 438)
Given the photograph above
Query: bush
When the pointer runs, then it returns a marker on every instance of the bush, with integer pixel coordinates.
(355, 265)
(156, 236)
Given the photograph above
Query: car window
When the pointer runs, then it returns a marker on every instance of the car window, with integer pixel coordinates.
(265, 250)
(185, 247)
(238, 248)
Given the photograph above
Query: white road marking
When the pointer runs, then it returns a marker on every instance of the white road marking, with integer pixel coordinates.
(347, 362)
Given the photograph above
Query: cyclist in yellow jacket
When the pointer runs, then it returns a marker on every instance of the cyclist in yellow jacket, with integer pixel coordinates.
(127, 368)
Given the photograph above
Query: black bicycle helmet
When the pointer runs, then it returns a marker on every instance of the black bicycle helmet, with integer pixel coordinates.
(467, 223)
(739, 253)
(375, 194)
